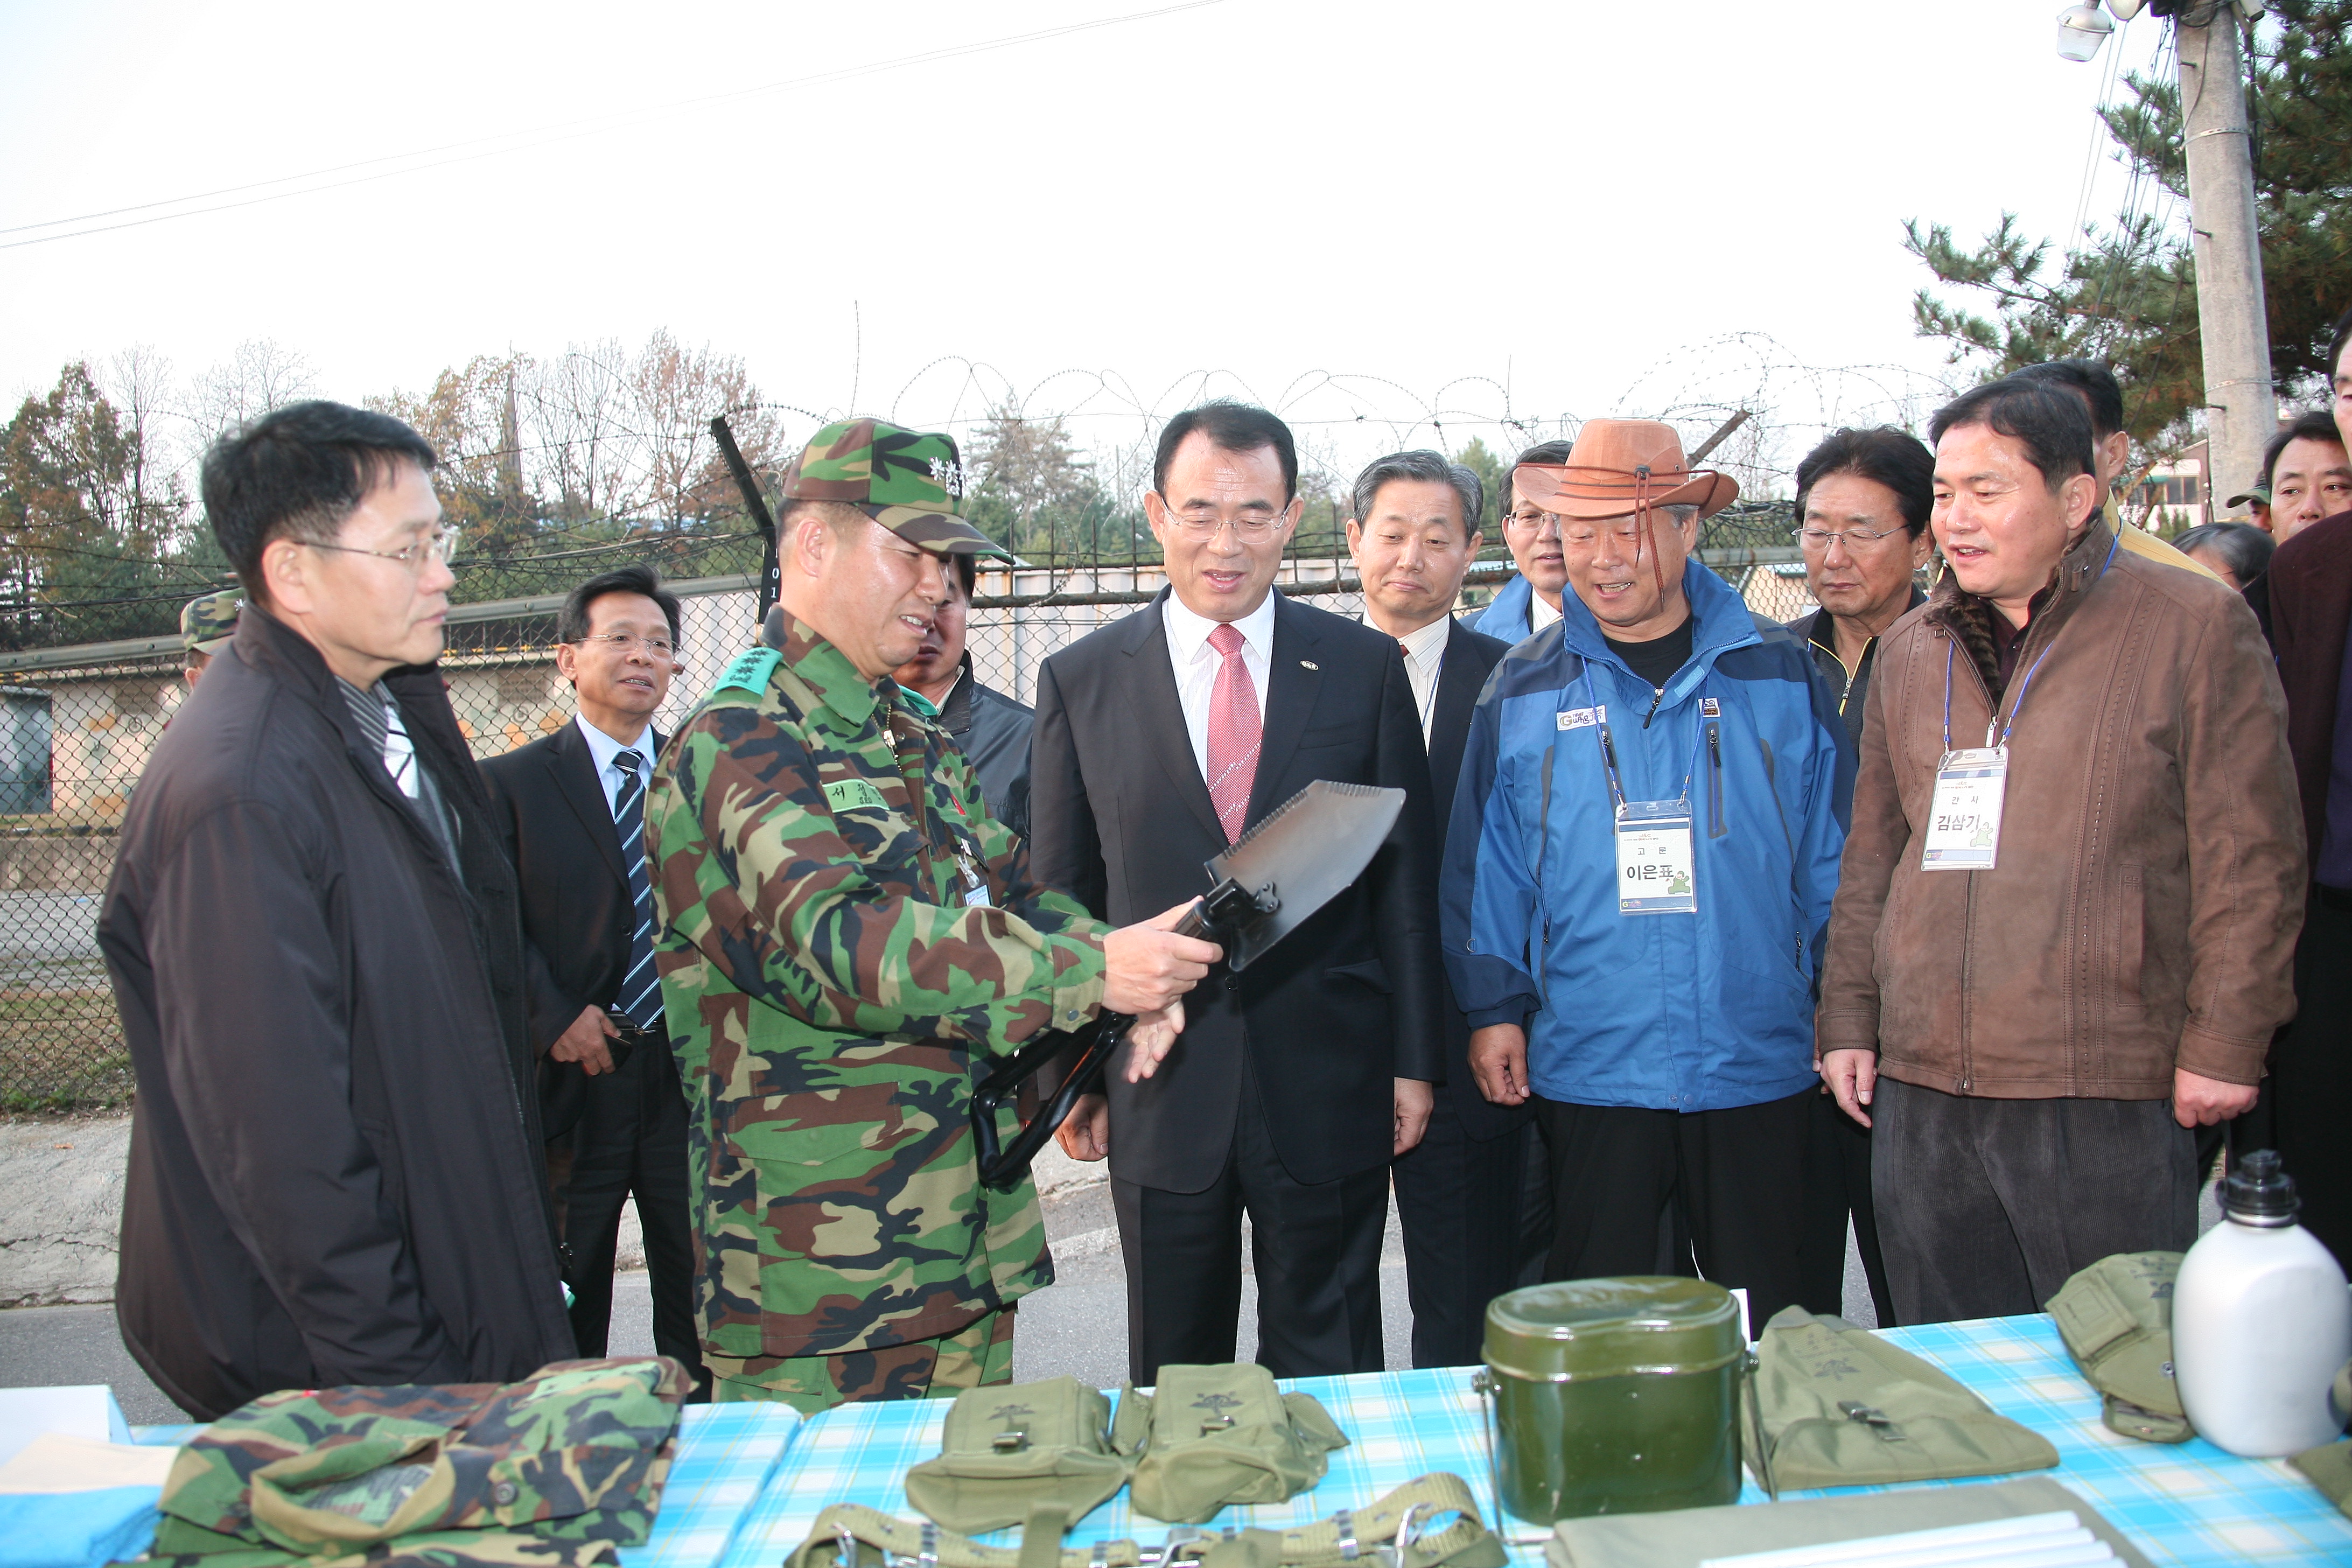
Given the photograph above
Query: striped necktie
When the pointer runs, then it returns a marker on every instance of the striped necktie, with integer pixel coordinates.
(640, 994)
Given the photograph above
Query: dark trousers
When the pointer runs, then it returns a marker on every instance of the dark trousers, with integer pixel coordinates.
(1316, 1250)
(630, 1141)
(1476, 1217)
(1837, 1190)
(1732, 1181)
(2310, 1094)
(1987, 1207)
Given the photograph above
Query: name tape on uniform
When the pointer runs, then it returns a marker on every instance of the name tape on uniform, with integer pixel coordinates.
(854, 794)
(1583, 718)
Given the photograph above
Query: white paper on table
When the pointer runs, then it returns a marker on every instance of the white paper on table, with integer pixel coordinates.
(61, 1462)
(2032, 1540)
(87, 1410)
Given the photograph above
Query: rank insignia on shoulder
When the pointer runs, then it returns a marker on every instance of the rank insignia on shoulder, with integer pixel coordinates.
(750, 669)
(854, 794)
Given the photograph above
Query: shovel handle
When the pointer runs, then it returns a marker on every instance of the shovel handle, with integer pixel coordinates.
(1003, 1167)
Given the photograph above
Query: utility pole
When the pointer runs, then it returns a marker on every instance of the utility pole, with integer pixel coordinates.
(2242, 405)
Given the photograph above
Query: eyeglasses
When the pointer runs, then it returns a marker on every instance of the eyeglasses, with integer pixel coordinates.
(1817, 539)
(626, 642)
(441, 547)
(1250, 528)
(1535, 519)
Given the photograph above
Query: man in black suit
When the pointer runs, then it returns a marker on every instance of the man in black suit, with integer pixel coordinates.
(572, 810)
(1475, 1205)
(1160, 739)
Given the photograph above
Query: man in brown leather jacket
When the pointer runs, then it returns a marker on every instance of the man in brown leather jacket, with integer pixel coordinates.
(2069, 896)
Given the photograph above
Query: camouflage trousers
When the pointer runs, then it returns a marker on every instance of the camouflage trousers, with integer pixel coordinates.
(975, 1355)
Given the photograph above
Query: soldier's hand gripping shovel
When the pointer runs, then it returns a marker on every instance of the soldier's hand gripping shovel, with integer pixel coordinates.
(1300, 856)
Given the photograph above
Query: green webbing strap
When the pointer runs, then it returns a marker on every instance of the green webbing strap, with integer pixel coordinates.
(851, 1535)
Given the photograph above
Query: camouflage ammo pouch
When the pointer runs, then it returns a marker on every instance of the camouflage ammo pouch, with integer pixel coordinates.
(1210, 1436)
(1393, 1532)
(1842, 1407)
(1013, 1453)
(559, 1469)
(2116, 1320)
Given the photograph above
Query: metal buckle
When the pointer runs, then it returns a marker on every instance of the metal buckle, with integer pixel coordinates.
(1876, 1419)
(1344, 1522)
(1010, 1441)
(1215, 1424)
(849, 1545)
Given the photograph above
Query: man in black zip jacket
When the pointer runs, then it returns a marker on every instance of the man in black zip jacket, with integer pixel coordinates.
(335, 1172)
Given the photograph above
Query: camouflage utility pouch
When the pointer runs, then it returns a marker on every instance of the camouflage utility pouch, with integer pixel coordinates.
(2116, 1320)
(559, 1468)
(1210, 1436)
(1842, 1407)
(1038, 1452)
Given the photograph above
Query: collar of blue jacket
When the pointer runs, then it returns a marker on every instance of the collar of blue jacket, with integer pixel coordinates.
(1683, 1011)
(1505, 618)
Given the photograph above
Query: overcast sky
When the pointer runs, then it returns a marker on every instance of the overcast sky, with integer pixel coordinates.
(1623, 207)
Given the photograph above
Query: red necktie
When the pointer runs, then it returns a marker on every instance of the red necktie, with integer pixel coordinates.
(1234, 731)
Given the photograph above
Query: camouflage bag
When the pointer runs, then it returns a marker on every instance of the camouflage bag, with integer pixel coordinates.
(559, 1468)
(1210, 1436)
(1034, 1452)
(2116, 1320)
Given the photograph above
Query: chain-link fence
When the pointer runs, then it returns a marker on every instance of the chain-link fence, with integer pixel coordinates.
(77, 724)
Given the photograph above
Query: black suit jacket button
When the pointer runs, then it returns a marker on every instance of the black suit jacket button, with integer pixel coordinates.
(1232, 982)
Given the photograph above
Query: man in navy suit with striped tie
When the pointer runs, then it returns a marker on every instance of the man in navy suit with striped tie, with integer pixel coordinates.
(572, 810)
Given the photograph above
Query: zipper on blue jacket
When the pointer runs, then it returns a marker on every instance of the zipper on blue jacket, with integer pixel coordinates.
(1715, 828)
(1543, 848)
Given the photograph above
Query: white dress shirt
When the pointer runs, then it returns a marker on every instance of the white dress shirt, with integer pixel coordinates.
(604, 748)
(1424, 654)
(1539, 614)
(1196, 663)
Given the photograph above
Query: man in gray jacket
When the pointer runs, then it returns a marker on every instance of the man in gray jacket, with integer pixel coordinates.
(312, 934)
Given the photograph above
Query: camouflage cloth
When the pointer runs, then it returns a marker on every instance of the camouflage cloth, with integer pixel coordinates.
(909, 481)
(207, 622)
(844, 934)
(559, 1468)
(975, 1356)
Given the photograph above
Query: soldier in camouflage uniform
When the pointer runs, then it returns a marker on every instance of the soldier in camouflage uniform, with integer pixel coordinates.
(846, 935)
(206, 625)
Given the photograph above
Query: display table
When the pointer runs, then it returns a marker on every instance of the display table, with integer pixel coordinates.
(2186, 1503)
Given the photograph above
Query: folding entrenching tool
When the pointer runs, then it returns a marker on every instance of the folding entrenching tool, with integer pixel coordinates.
(1300, 855)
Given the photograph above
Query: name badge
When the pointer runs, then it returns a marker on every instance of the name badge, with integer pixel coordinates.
(1964, 817)
(975, 886)
(1655, 872)
(1582, 718)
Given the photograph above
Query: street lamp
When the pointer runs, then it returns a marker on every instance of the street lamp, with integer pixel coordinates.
(2082, 29)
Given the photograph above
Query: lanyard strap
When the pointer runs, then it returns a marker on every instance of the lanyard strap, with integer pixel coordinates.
(1609, 747)
(1993, 722)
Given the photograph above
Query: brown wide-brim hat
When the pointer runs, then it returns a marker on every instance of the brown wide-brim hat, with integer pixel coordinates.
(1619, 466)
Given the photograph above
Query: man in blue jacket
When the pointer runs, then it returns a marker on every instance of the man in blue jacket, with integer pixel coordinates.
(1638, 875)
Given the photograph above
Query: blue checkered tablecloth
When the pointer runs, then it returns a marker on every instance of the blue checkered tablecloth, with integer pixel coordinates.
(727, 1455)
(2183, 1504)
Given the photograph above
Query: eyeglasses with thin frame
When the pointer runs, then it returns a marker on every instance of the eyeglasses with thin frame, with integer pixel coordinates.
(629, 642)
(442, 547)
(1817, 539)
(1253, 528)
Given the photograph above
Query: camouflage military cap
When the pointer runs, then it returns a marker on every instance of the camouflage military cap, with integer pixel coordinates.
(909, 481)
(208, 622)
